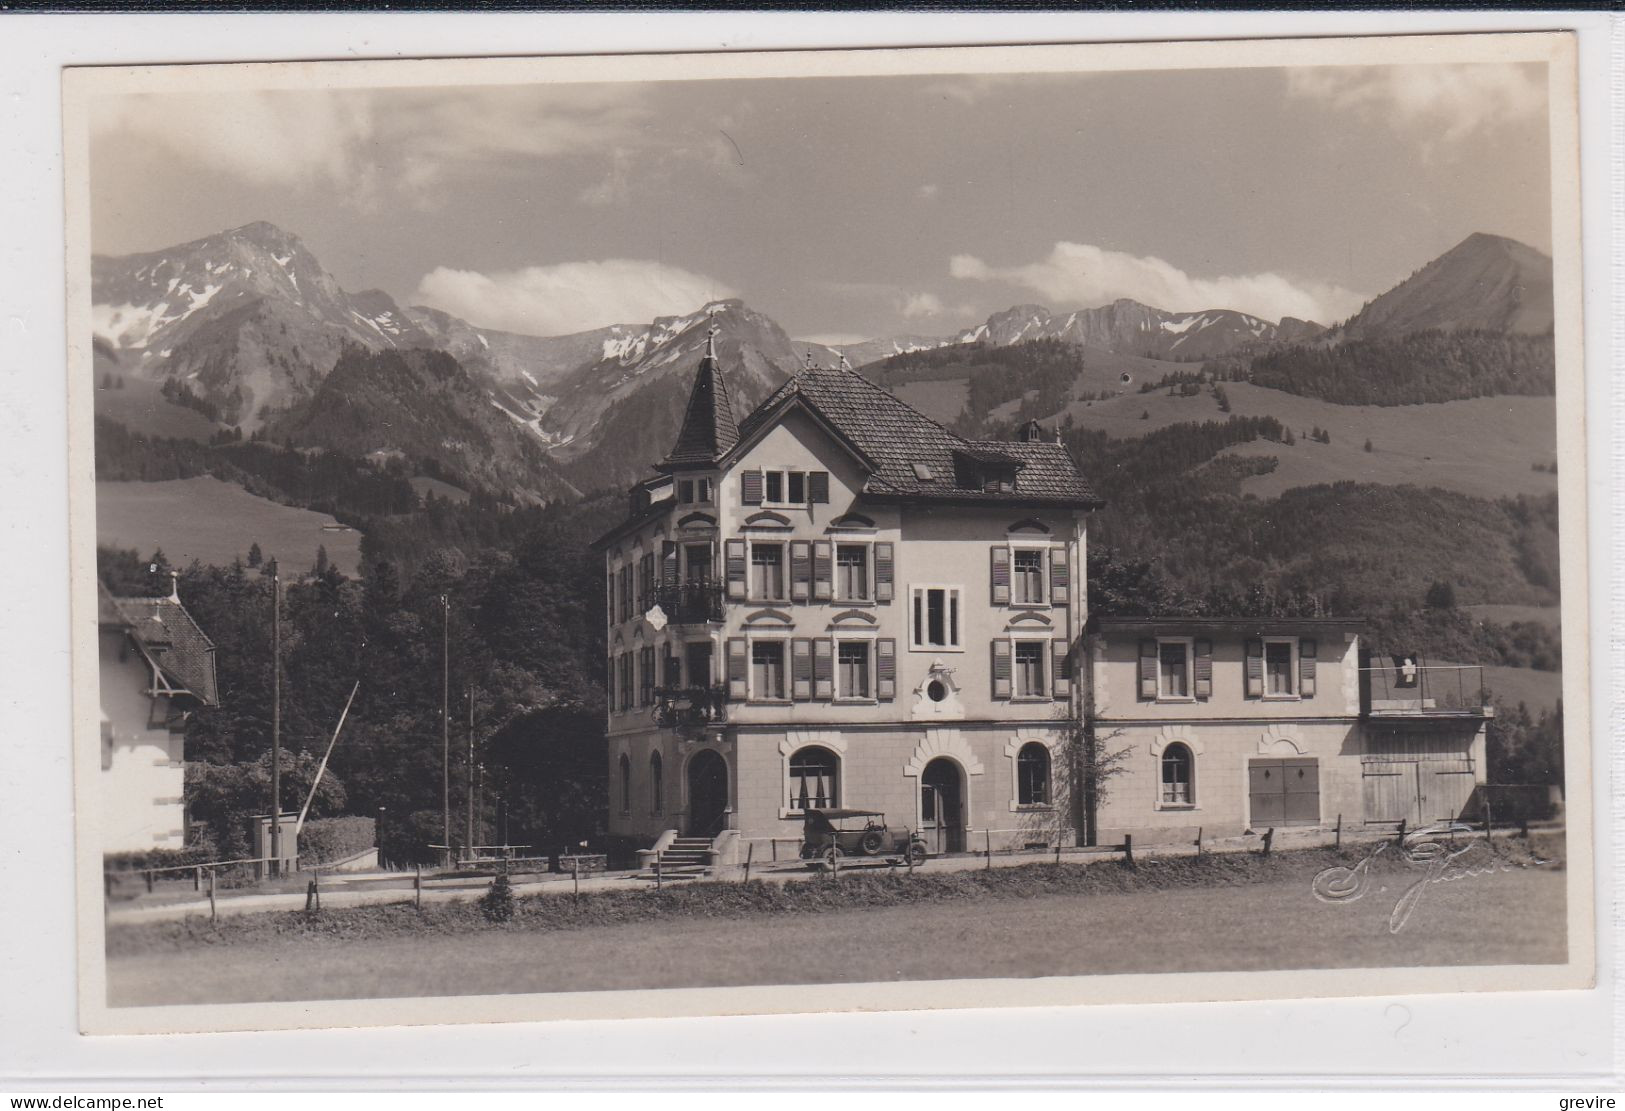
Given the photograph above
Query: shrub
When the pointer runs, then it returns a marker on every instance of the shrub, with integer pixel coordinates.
(142, 859)
(497, 903)
(328, 839)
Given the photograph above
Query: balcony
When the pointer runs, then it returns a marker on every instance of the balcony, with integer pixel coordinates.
(689, 707)
(1415, 691)
(690, 603)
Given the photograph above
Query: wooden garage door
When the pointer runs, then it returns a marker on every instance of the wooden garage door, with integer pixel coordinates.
(1447, 786)
(1284, 792)
(1416, 791)
(1390, 792)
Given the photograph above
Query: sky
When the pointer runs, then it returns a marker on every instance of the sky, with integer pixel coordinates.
(850, 207)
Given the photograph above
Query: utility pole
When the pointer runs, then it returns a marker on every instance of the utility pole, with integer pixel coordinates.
(445, 720)
(276, 720)
(470, 767)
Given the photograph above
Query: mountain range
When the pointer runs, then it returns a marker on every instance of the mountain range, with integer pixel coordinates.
(253, 325)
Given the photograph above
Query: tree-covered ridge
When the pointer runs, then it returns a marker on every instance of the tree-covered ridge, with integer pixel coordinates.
(1404, 370)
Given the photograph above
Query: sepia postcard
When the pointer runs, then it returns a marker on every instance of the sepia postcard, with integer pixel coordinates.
(686, 534)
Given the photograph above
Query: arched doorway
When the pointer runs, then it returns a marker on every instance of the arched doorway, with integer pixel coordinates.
(942, 806)
(707, 794)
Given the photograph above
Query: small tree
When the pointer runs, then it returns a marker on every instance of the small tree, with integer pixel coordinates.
(1083, 764)
(1368, 446)
(1440, 596)
(255, 556)
(497, 903)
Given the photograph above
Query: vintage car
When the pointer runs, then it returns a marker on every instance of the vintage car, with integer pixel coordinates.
(827, 835)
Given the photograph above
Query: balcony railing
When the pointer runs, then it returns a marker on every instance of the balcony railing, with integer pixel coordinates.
(690, 603)
(686, 707)
(1410, 690)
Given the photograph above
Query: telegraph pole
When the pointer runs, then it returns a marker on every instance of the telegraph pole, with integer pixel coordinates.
(470, 772)
(445, 719)
(276, 720)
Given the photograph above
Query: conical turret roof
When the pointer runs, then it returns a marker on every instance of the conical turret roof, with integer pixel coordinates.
(709, 429)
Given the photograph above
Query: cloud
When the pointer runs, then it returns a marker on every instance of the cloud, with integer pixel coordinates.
(360, 143)
(568, 296)
(1080, 274)
(1452, 101)
(922, 304)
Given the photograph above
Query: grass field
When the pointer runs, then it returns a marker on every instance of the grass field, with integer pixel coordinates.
(141, 407)
(215, 521)
(1549, 616)
(1484, 446)
(1274, 924)
(1539, 690)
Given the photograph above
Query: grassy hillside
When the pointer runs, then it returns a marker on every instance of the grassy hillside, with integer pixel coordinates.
(141, 407)
(214, 521)
(1485, 447)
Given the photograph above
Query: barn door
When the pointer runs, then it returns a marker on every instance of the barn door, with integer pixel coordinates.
(1449, 785)
(1390, 793)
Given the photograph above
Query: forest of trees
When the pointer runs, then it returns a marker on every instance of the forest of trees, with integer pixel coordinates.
(524, 633)
(1406, 370)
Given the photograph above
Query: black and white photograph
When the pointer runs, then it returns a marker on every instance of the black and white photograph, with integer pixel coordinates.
(742, 533)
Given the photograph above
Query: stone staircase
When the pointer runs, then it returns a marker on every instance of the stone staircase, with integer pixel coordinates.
(685, 858)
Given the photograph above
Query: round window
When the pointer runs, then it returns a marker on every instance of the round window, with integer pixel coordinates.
(937, 690)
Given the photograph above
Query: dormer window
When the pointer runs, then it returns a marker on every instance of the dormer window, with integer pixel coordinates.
(988, 471)
(694, 491)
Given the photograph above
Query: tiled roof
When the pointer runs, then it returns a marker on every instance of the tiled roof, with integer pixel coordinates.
(170, 636)
(894, 437)
(709, 429)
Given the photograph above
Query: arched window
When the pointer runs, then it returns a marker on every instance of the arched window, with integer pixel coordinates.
(626, 784)
(813, 774)
(1178, 785)
(657, 782)
(1032, 775)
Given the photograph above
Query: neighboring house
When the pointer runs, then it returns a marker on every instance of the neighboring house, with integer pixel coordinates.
(1231, 724)
(156, 667)
(838, 602)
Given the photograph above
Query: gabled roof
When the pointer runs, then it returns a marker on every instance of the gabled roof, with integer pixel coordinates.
(892, 437)
(169, 637)
(709, 429)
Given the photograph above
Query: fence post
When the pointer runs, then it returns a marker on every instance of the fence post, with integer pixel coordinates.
(1269, 840)
(1339, 831)
(149, 881)
(750, 851)
(1057, 850)
(310, 896)
(417, 885)
(1399, 842)
(987, 835)
(1489, 818)
(1523, 826)
(1128, 850)
(575, 876)
(1199, 840)
(211, 894)
(197, 878)
(834, 857)
(773, 847)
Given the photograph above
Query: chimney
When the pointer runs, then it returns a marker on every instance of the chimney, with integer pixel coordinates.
(175, 587)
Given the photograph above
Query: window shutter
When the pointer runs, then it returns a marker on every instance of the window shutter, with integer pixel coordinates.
(1060, 577)
(1202, 670)
(750, 487)
(800, 570)
(1001, 669)
(818, 487)
(738, 669)
(823, 669)
(646, 581)
(674, 671)
(735, 559)
(1255, 669)
(1306, 667)
(883, 571)
(886, 669)
(668, 563)
(823, 570)
(1060, 670)
(1148, 670)
(610, 597)
(1000, 556)
(801, 669)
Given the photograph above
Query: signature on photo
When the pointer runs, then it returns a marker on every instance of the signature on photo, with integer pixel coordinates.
(1423, 847)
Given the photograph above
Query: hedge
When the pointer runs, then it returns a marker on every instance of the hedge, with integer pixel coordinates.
(328, 839)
